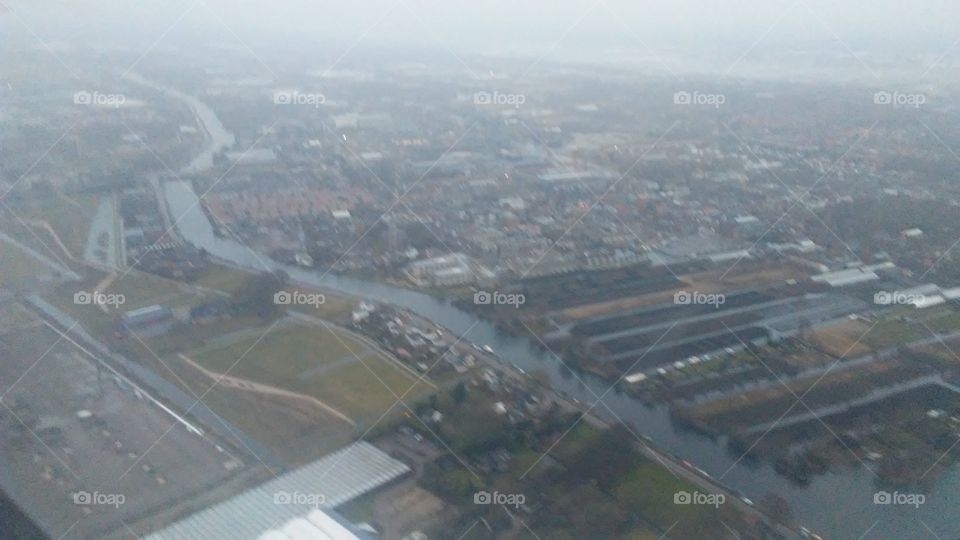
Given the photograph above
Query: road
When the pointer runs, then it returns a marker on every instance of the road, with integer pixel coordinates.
(70, 329)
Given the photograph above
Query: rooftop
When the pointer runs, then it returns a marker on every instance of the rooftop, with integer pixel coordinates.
(322, 485)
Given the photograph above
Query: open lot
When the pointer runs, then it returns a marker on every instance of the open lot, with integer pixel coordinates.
(582, 291)
(334, 307)
(906, 324)
(294, 432)
(137, 289)
(398, 509)
(13, 316)
(142, 289)
(844, 339)
(69, 217)
(70, 428)
(327, 364)
(222, 278)
(18, 267)
(706, 282)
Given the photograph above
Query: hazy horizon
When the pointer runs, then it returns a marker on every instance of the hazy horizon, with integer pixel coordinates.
(685, 36)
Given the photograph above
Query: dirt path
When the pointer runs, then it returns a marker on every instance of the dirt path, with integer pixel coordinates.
(102, 286)
(45, 225)
(243, 384)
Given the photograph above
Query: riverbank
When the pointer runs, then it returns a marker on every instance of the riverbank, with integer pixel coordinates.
(839, 504)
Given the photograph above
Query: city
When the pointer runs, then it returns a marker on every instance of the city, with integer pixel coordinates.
(411, 292)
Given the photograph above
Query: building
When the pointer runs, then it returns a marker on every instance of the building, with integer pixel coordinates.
(315, 525)
(849, 276)
(298, 504)
(447, 271)
(148, 321)
(748, 227)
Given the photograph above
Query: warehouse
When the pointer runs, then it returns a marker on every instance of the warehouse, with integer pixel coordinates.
(296, 502)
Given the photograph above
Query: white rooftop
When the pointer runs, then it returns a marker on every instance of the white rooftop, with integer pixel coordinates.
(849, 276)
(322, 485)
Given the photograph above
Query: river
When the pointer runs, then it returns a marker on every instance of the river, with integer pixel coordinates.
(836, 505)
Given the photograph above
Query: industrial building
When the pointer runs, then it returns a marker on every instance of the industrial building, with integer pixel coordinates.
(297, 504)
(447, 271)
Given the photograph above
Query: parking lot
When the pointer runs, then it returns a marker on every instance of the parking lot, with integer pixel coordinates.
(86, 454)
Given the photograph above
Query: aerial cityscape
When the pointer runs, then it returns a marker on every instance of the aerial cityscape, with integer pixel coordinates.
(274, 271)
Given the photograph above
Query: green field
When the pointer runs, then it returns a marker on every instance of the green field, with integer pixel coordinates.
(138, 289)
(638, 486)
(334, 308)
(597, 485)
(316, 362)
(918, 324)
(222, 278)
(229, 280)
(142, 289)
(285, 352)
(295, 433)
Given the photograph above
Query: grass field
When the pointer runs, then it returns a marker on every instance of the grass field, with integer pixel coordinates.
(294, 433)
(650, 489)
(17, 266)
(39, 240)
(705, 282)
(141, 289)
(15, 316)
(68, 216)
(228, 279)
(918, 325)
(316, 362)
(334, 308)
(943, 320)
(292, 349)
(222, 278)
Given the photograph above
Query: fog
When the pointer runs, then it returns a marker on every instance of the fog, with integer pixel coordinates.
(673, 36)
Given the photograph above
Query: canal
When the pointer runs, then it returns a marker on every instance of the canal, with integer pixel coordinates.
(837, 505)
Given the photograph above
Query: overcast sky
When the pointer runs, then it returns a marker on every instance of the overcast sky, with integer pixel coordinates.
(574, 28)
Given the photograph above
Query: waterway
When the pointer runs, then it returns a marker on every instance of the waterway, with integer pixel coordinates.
(836, 505)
